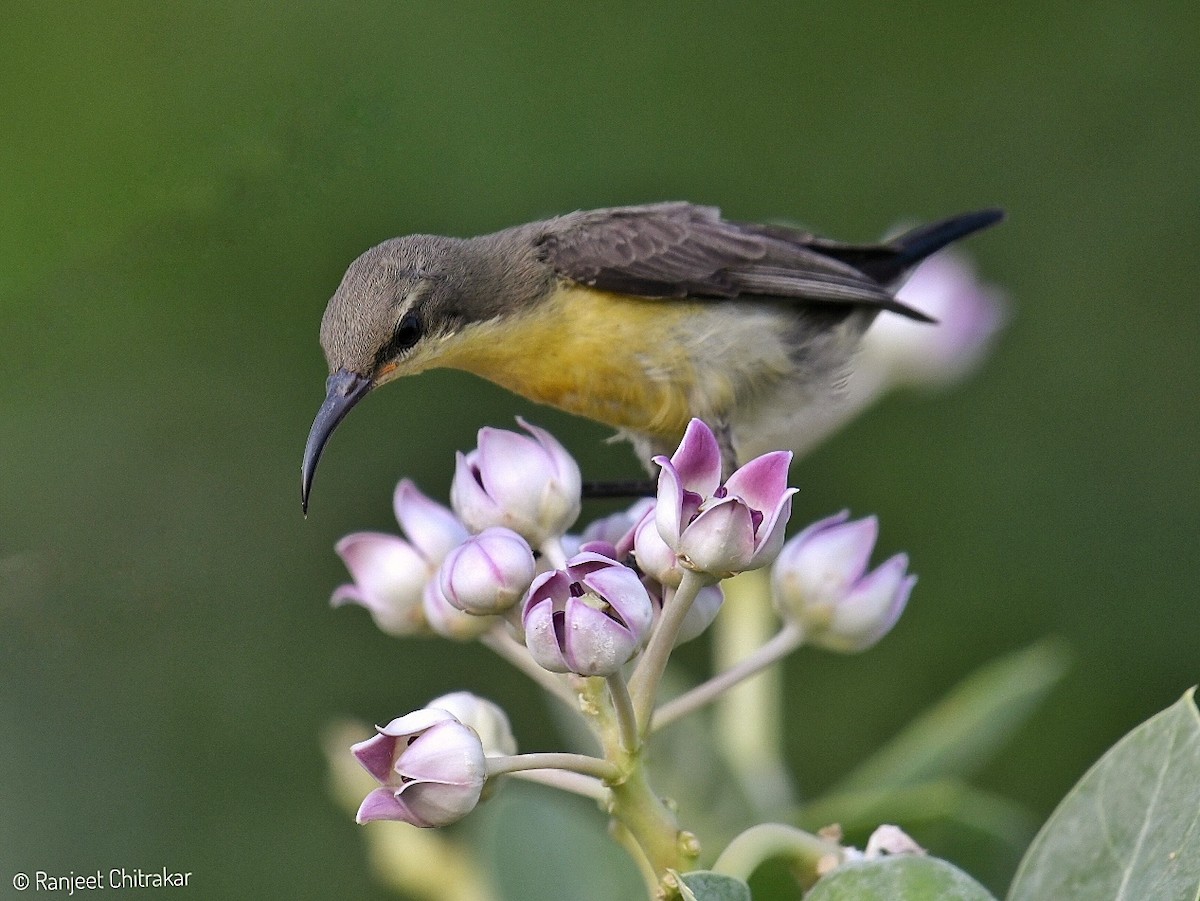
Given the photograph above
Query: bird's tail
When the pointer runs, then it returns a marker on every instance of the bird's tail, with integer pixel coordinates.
(886, 263)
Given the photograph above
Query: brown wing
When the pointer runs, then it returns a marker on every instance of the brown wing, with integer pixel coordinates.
(682, 250)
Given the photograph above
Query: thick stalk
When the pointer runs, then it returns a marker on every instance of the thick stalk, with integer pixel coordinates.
(809, 854)
(643, 686)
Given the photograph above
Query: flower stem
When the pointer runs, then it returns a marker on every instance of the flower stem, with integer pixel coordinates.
(808, 853)
(622, 703)
(501, 642)
(552, 550)
(643, 686)
(574, 763)
(576, 783)
(652, 825)
(785, 641)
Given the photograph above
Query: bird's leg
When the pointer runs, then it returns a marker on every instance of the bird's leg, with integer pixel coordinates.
(729, 461)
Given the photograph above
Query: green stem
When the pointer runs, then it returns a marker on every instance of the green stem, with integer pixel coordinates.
(643, 686)
(564, 780)
(622, 703)
(652, 825)
(785, 641)
(808, 853)
(575, 763)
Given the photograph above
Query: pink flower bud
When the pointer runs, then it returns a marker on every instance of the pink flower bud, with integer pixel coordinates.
(969, 314)
(488, 573)
(431, 768)
(529, 484)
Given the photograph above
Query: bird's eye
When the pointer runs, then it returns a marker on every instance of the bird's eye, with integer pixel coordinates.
(408, 332)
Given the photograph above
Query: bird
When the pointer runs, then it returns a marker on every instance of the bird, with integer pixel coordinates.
(639, 317)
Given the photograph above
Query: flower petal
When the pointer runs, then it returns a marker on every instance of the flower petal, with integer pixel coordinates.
(668, 511)
(872, 607)
(541, 636)
(447, 752)
(620, 587)
(698, 459)
(474, 506)
(388, 572)
(565, 469)
(385, 804)
(433, 529)
(593, 643)
(761, 482)
(720, 540)
(376, 754)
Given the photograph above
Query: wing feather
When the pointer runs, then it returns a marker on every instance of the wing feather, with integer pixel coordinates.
(683, 250)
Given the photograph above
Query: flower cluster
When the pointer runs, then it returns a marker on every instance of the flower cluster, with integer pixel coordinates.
(634, 585)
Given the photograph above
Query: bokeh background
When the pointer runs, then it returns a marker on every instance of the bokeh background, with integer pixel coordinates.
(181, 187)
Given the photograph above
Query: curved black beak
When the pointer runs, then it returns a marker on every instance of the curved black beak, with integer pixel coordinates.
(343, 390)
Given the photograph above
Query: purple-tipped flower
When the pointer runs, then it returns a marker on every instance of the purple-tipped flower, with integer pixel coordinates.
(589, 619)
(527, 483)
(715, 528)
(390, 573)
(822, 585)
(968, 311)
(488, 573)
(430, 766)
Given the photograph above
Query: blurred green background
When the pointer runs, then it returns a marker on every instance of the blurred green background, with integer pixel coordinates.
(181, 187)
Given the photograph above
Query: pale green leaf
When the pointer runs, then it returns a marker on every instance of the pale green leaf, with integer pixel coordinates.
(904, 877)
(1130, 829)
(960, 733)
(944, 800)
(703, 885)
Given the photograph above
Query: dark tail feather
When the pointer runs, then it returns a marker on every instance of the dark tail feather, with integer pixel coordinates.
(924, 240)
(885, 263)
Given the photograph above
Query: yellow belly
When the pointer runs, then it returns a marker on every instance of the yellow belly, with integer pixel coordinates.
(628, 362)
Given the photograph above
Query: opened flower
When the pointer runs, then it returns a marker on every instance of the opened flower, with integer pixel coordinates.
(389, 572)
(821, 584)
(589, 619)
(720, 529)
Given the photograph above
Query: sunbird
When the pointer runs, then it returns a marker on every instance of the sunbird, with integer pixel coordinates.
(639, 317)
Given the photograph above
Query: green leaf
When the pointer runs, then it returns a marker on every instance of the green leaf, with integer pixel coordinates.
(543, 845)
(904, 877)
(1130, 829)
(959, 733)
(944, 800)
(704, 885)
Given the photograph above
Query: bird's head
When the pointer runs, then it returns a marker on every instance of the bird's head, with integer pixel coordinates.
(396, 304)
